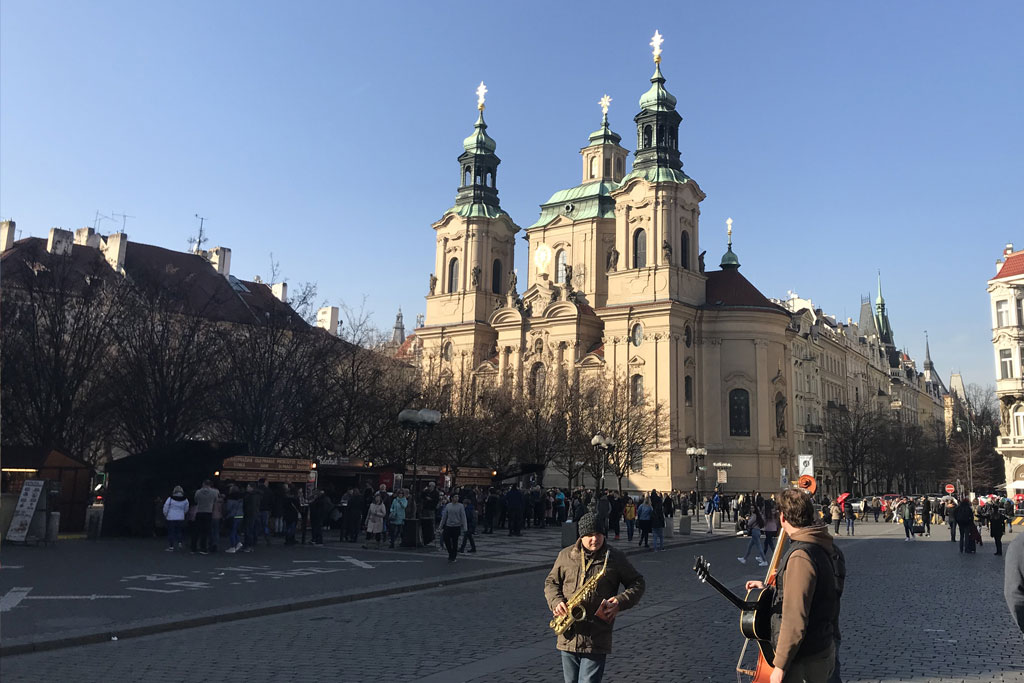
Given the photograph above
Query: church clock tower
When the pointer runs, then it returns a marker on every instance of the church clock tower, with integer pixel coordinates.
(474, 259)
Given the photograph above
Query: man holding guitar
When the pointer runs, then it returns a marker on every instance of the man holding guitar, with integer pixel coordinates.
(805, 608)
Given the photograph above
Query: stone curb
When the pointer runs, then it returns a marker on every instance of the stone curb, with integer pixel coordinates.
(151, 627)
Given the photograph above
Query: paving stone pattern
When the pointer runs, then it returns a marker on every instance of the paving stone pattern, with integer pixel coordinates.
(913, 612)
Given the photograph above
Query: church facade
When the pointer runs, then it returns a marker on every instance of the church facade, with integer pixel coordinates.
(616, 288)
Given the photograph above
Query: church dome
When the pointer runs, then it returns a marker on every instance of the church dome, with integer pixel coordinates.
(657, 98)
(479, 142)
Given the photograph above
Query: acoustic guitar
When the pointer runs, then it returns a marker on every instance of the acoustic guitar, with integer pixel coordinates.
(755, 610)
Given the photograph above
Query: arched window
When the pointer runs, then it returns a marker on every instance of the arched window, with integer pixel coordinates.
(446, 351)
(489, 177)
(661, 136)
(593, 167)
(688, 336)
(684, 250)
(636, 390)
(618, 169)
(688, 390)
(560, 259)
(467, 173)
(496, 282)
(640, 249)
(538, 380)
(607, 167)
(780, 414)
(739, 412)
(647, 136)
(453, 276)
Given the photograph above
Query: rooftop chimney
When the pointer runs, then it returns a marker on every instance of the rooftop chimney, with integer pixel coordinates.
(60, 241)
(1009, 249)
(113, 249)
(280, 290)
(87, 237)
(327, 319)
(220, 259)
(6, 235)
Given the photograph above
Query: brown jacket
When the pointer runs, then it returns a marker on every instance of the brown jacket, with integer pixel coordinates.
(798, 589)
(593, 635)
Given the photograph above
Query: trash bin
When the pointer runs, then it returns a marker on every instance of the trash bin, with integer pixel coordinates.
(569, 534)
(670, 529)
(52, 527)
(685, 525)
(93, 521)
(717, 519)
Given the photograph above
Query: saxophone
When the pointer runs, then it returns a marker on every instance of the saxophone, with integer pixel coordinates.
(576, 611)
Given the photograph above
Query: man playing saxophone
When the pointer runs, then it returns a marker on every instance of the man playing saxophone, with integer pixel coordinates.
(582, 593)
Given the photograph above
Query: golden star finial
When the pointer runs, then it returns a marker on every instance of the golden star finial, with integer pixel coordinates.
(656, 42)
(604, 102)
(480, 92)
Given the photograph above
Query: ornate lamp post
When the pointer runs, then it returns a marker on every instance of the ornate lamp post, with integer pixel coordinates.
(416, 420)
(604, 446)
(697, 455)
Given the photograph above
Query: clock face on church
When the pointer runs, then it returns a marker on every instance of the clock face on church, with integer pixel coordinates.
(542, 257)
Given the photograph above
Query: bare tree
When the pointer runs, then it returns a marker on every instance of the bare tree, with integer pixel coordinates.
(854, 436)
(58, 311)
(633, 421)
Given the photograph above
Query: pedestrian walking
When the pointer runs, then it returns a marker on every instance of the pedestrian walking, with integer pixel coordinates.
(755, 523)
(396, 517)
(266, 503)
(615, 515)
(1013, 582)
(290, 512)
(453, 524)
(319, 509)
(175, 508)
(585, 645)
(375, 521)
(709, 510)
(629, 514)
(906, 511)
(950, 510)
(836, 515)
(926, 515)
(850, 515)
(251, 517)
(470, 526)
(515, 505)
(964, 517)
(657, 522)
(997, 527)
(643, 520)
(771, 530)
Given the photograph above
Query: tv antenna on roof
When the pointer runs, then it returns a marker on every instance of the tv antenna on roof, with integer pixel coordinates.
(124, 218)
(96, 221)
(200, 239)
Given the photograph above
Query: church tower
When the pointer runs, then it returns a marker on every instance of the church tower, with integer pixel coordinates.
(475, 243)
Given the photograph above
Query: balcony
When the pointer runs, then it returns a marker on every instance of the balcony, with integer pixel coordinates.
(1010, 386)
(814, 429)
(1011, 442)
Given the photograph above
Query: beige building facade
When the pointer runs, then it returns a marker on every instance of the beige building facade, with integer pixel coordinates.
(616, 288)
(1006, 294)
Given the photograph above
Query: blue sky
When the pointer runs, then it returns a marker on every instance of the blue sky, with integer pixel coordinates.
(842, 138)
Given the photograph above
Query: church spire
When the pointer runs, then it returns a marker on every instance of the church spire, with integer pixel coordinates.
(398, 336)
(882, 317)
(657, 124)
(478, 164)
(928, 364)
(730, 261)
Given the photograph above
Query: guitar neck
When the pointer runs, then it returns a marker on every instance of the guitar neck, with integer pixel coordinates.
(732, 597)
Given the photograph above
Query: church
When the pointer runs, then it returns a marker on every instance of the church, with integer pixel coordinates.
(616, 287)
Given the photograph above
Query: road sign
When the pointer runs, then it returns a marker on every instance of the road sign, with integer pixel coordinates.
(805, 465)
(28, 501)
(950, 488)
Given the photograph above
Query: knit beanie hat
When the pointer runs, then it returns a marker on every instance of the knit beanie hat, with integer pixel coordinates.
(589, 526)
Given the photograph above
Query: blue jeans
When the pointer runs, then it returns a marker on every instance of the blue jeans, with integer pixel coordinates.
(849, 526)
(236, 522)
(175, 532)
(630, 523)
(754, 544)
(582, 668)
(659, 538)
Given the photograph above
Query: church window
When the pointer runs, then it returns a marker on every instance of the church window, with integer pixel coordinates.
(684, 250)
(607, 167)
(1002, 313)
(467, 173)
(560, 262)
(446, 351)
(688, 390)
(618, 169)
(1005, 364)
(538, 379)
(739, 412)
(636, 335)
(640, 249)
(688, 336)
(593, 167)
(636, 390)
(496, 282)
(1020, 312)
(490, 179)
(647, 136)
(453, 276)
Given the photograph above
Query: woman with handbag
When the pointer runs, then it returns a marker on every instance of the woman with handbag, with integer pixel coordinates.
(375, 522)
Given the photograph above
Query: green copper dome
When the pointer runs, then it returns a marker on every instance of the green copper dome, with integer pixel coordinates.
(605, 135)
(479, 142)
(729, 259)
(657, 98)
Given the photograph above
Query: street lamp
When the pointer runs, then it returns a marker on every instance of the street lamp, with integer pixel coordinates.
(417, 420)
(970, 454)
(605, 446)
(697, 456)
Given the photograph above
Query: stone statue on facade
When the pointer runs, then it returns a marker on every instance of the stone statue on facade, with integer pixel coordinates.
(613, 260)
(475, 275)
(700, 260)
(513, 279)
(666, 252)
(433, 283)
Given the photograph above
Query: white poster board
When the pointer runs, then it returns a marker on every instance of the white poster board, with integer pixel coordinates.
(31, 492)
(805, 465)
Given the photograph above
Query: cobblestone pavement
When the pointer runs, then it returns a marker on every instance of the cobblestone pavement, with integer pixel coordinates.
(913, 612)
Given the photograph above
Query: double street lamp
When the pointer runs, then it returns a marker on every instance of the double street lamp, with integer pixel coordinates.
(697, 456)
(417, 420)
(604, 446)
